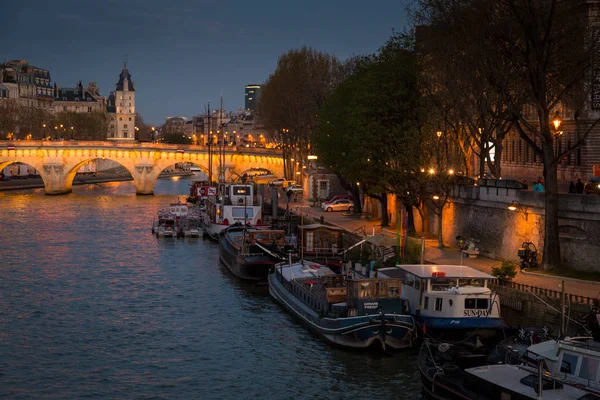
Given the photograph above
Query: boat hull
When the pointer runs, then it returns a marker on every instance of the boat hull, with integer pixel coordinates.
(254, 267)
(387, 332)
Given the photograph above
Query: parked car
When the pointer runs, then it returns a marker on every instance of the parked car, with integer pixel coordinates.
(294, 188)
(592, 186)
(338, 205)
(338, 197)
(277, 182)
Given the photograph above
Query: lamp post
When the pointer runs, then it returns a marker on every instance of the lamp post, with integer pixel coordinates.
(45, 136)
(56, 133)
(72, 132)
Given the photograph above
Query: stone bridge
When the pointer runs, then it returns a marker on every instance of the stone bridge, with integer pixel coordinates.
(58, 162)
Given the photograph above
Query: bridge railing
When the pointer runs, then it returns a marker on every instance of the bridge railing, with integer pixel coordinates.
(132, 145)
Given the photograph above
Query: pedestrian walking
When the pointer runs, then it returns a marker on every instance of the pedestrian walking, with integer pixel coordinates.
(539, 186)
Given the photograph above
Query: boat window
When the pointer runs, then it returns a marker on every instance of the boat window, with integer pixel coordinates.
(238, 212)
(470, 282)
(438, 303)
(476, 304)
(426, 304)
(441, 284)
(418, 283)
(310, 242)
(450, 302)
(410, 280)
(589, 369)
(241, 191)
(569, 363)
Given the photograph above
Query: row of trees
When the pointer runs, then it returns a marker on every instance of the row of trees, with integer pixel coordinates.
(408, 118)
(516, 65)
(22, 122)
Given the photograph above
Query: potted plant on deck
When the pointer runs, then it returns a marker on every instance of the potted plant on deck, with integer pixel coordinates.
(505, 272)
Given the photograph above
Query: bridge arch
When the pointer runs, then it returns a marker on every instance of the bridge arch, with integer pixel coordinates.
(58, 162)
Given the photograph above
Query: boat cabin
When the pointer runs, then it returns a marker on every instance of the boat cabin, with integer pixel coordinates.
(178, 209)
(449, 296)
(320, 240)
(236, 194)
(575, 360)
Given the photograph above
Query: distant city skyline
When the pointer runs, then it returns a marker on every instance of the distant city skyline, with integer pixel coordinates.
(184, 54)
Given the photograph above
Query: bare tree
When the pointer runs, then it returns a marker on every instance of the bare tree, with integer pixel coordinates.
(292, 97)
(538, 53)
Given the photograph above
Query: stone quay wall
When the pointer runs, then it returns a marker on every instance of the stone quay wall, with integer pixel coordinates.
(482, 213)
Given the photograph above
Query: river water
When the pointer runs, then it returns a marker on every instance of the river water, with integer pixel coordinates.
(93, 305)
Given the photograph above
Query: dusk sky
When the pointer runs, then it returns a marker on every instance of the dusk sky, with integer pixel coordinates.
(183, 54)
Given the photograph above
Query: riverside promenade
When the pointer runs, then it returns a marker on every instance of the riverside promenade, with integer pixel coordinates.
(362, 225)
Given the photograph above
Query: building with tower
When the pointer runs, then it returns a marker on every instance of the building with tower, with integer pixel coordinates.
(121, 109)
(251, 94)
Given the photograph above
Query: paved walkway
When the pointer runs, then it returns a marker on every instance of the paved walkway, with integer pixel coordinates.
(361, 224)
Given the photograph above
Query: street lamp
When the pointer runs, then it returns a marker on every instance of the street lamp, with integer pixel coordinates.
(439, 134)
(515, 205)
(56, 132)
(557, 121)
(72, 137)
(45, 136)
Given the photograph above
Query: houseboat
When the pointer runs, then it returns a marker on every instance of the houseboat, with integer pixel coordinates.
(450, 299)
(234, 203)
(249, 253)
(355, 313)
(165, 225)
(322, 244)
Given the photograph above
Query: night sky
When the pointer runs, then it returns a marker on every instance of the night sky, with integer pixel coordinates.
(183, 54)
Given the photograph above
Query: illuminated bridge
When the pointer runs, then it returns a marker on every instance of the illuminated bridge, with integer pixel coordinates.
(58, 162)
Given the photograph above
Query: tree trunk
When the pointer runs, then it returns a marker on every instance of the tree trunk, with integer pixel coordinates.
(356, 199)
(385, 220)
(424, 213)
(482, 162)
(440, 223)
(551, 254)
(410, 220)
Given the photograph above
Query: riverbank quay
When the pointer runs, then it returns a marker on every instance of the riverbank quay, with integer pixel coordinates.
(99, 177)
(527, 300)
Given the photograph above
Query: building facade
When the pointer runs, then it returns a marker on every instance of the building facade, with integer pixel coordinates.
(78, 99)
(121, 109)
(251, 94)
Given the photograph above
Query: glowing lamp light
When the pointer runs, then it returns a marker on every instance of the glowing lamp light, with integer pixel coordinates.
(436, 197)
(451, 171)
(512, 207)
(312, 157)
(439, 134)
(431, 171)
(556, 121)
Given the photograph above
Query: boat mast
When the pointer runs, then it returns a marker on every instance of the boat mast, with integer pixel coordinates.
(209, 135)
(221, 143)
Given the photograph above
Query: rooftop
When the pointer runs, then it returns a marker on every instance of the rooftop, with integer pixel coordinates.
(449, 271)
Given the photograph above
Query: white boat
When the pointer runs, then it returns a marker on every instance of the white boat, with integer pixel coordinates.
(177, 221)
(234, 203)
(449, 298)
(567, 369)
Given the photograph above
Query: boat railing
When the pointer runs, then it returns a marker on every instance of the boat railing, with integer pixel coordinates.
(321, 251)
(249, 254)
